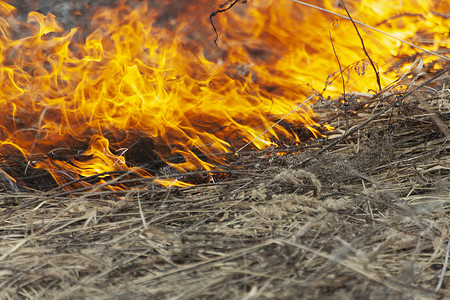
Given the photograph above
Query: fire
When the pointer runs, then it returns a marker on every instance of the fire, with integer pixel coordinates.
(88, 94)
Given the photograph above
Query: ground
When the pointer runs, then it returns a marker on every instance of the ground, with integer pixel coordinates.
(361, 213)
(355, 216)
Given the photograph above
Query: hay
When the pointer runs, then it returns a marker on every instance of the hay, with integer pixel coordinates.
(368, 218)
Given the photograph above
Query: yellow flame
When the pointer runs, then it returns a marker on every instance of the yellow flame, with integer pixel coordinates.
(133, 77)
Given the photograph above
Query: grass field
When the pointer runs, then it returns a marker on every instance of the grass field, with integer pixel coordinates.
(362, 215)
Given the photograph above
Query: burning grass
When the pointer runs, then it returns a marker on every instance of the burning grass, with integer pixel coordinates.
(360, 213)
(366, 218)
(125, 87)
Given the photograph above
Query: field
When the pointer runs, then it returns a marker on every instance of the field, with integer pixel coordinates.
(362, 213)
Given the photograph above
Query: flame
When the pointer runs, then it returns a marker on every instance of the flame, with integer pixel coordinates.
(138, 74)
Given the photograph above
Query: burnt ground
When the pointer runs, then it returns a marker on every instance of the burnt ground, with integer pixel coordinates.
(361, 214)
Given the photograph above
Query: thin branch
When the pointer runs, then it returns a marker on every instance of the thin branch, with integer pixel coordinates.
(334, 23)
(222, 8)
(377, 73)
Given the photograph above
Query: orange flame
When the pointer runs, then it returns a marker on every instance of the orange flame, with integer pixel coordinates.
(132, 77)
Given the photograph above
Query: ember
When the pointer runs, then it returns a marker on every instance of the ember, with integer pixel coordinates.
(139, 88)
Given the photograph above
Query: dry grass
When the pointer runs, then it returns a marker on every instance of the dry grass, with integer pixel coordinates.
(368, 218)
